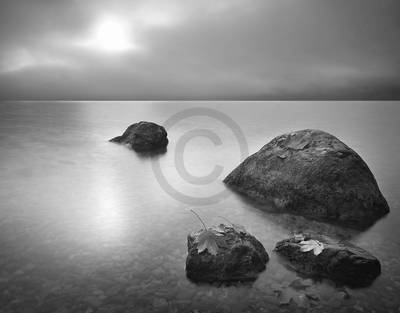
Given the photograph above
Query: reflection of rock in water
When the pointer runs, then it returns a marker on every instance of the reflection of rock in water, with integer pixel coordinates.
(299, 224)
(313, 174)
(151, 153)
(241, 258)
(144, 136)
(342, 262)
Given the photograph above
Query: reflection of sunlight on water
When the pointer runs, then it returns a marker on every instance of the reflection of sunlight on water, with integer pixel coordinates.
(107, 218)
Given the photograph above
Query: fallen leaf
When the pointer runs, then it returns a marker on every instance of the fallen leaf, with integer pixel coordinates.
(299, 237)
(283, 155)
(236, 227)
(210, 239)
(298, 144)
(312, 245)
(220, 228)
(239, 228)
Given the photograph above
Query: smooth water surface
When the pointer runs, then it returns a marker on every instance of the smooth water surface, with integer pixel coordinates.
(85, 225)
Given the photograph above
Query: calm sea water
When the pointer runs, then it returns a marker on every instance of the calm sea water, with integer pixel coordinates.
(87, 226)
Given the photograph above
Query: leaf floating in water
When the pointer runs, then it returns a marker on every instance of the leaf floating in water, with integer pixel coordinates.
(211, 240)
(312, 245)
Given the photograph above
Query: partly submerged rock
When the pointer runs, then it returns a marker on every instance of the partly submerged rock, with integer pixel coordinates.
(241, 258)
(144, 136)
(341, 262)
(314, 174)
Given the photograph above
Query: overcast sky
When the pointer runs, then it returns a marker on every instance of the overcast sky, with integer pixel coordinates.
(199, 49)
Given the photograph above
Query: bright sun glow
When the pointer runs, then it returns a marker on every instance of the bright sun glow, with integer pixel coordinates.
(112, 34)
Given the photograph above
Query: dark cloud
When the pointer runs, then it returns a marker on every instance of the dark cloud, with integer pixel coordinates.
(228, 49)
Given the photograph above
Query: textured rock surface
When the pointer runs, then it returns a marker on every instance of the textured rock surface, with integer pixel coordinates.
(312, 173)
(144, 136)
(342, 262)
(242, 259)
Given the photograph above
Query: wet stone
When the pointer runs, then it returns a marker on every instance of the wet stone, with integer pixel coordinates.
(143, 136)
(299, 284)
(341, 262)
(241, 258)
(291, 172)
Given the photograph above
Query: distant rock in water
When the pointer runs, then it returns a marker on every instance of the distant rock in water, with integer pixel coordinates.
(144, 136)
(314, 174)
(241, 258)
(343, 263)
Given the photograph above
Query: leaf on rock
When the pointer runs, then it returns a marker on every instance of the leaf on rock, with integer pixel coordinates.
(211, 240)
(299, 237)
(298, 144)
(239, 228)
(220, 228)
(283, 154)
(236, 227)
(312, 245)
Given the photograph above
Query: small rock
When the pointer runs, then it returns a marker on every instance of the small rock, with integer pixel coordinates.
(299, 284)
(340, 262)
(144, 136)
(301, 300)
(312, 296)
(241, 258)
(343, 294)
(285, 298)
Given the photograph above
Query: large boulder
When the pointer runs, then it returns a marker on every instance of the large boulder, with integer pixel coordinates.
(314, 174)
(144, 136)
(341, 262)
(241, 258)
